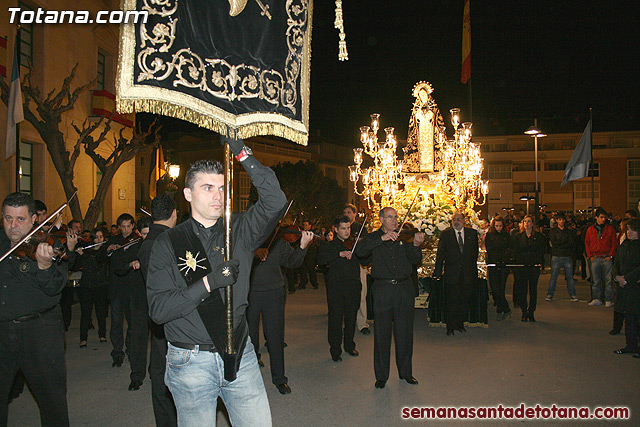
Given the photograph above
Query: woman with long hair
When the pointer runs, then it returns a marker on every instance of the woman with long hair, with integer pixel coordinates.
(498, 252)
(93, 290)
(527, 248)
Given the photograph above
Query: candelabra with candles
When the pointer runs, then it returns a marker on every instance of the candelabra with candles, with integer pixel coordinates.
(461, 182)
(383, 180)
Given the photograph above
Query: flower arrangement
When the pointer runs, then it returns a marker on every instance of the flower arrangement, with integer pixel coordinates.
(433, 218)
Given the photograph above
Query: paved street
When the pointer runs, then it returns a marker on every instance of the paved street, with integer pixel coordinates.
(565, 358)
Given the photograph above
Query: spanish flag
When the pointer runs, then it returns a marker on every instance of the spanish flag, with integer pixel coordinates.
(466, 44)
(156, 171)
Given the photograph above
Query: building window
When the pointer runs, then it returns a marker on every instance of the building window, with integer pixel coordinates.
(26, 167)
(554, 166)
(633, 194)
(245, 188)
(101, 71)
(499, 171)
(633, 168)
(554, 187)
(582, 190)
(596, 169)
(26, 40)
(525, 167)
(524, 187)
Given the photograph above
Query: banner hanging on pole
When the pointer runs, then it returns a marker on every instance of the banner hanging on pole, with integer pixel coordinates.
(241, 76)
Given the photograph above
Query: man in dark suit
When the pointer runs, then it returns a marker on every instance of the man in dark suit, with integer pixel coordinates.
(457, 255)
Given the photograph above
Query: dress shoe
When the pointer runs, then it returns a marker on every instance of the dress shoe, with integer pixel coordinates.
(450, 331)
(380, 384)
(624, 351)
(260, 363)
(135, 385)
(336, 358)
(283, 388)
(365, 331)
(353, 352)
(614, 332)
(103, 340)
(117, 362)
(410, 380)
(462, 329)
(531, 318)
(83, 344)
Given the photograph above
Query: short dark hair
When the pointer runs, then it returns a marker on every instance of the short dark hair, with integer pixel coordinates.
(16, 200)
(350, 206)
(632, 213)
(40, 206)
(124, 217)
(73, 221)
(144, 222)
(202, 166)
(560, 215)
(341, 219)
(601, 211)
(162, 207)
(634, 224)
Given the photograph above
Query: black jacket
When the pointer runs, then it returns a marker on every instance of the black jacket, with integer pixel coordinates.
(627, 263)
(267, 275)
(498, 247)
(451, 264)
(563, 242)
(341, 270)
(528, 251)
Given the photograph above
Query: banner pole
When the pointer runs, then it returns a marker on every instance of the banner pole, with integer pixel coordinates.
(228, 203)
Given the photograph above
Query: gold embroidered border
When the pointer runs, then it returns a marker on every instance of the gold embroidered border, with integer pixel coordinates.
(131, 97)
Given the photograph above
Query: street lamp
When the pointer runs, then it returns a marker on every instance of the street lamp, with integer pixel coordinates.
(536, 133)
(527, 199)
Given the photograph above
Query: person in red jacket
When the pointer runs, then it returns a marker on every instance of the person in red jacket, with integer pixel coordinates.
(601, 244)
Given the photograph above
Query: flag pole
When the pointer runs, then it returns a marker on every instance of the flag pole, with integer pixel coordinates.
(228, 202)
(593, 188)
(17, 142)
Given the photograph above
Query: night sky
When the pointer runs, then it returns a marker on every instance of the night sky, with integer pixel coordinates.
(550, 60)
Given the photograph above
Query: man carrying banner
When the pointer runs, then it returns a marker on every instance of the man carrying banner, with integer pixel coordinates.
(184, 283)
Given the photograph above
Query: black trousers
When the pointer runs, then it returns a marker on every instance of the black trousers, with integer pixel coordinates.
(37, 348)
(269, 304)
(525, 280)
(164, 409)
(498, 282)
(457, 299)
(89, 298)
(393, 307)
(632, 331)
(343, 300)
(139, 331)
(618, 320)
(67, 298)
(120, 309)
(308, 271)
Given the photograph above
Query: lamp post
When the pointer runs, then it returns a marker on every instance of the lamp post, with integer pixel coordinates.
(527, 199)
(536, 133)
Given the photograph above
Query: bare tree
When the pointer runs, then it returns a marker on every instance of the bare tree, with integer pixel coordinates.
(45, 114)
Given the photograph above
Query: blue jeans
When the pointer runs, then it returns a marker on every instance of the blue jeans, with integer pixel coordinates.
(196, 379)
(566, 263)
(601, 271)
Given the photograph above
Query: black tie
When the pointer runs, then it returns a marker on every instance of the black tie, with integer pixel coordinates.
(460, 242)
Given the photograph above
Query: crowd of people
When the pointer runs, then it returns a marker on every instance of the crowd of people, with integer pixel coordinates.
(167, 283)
